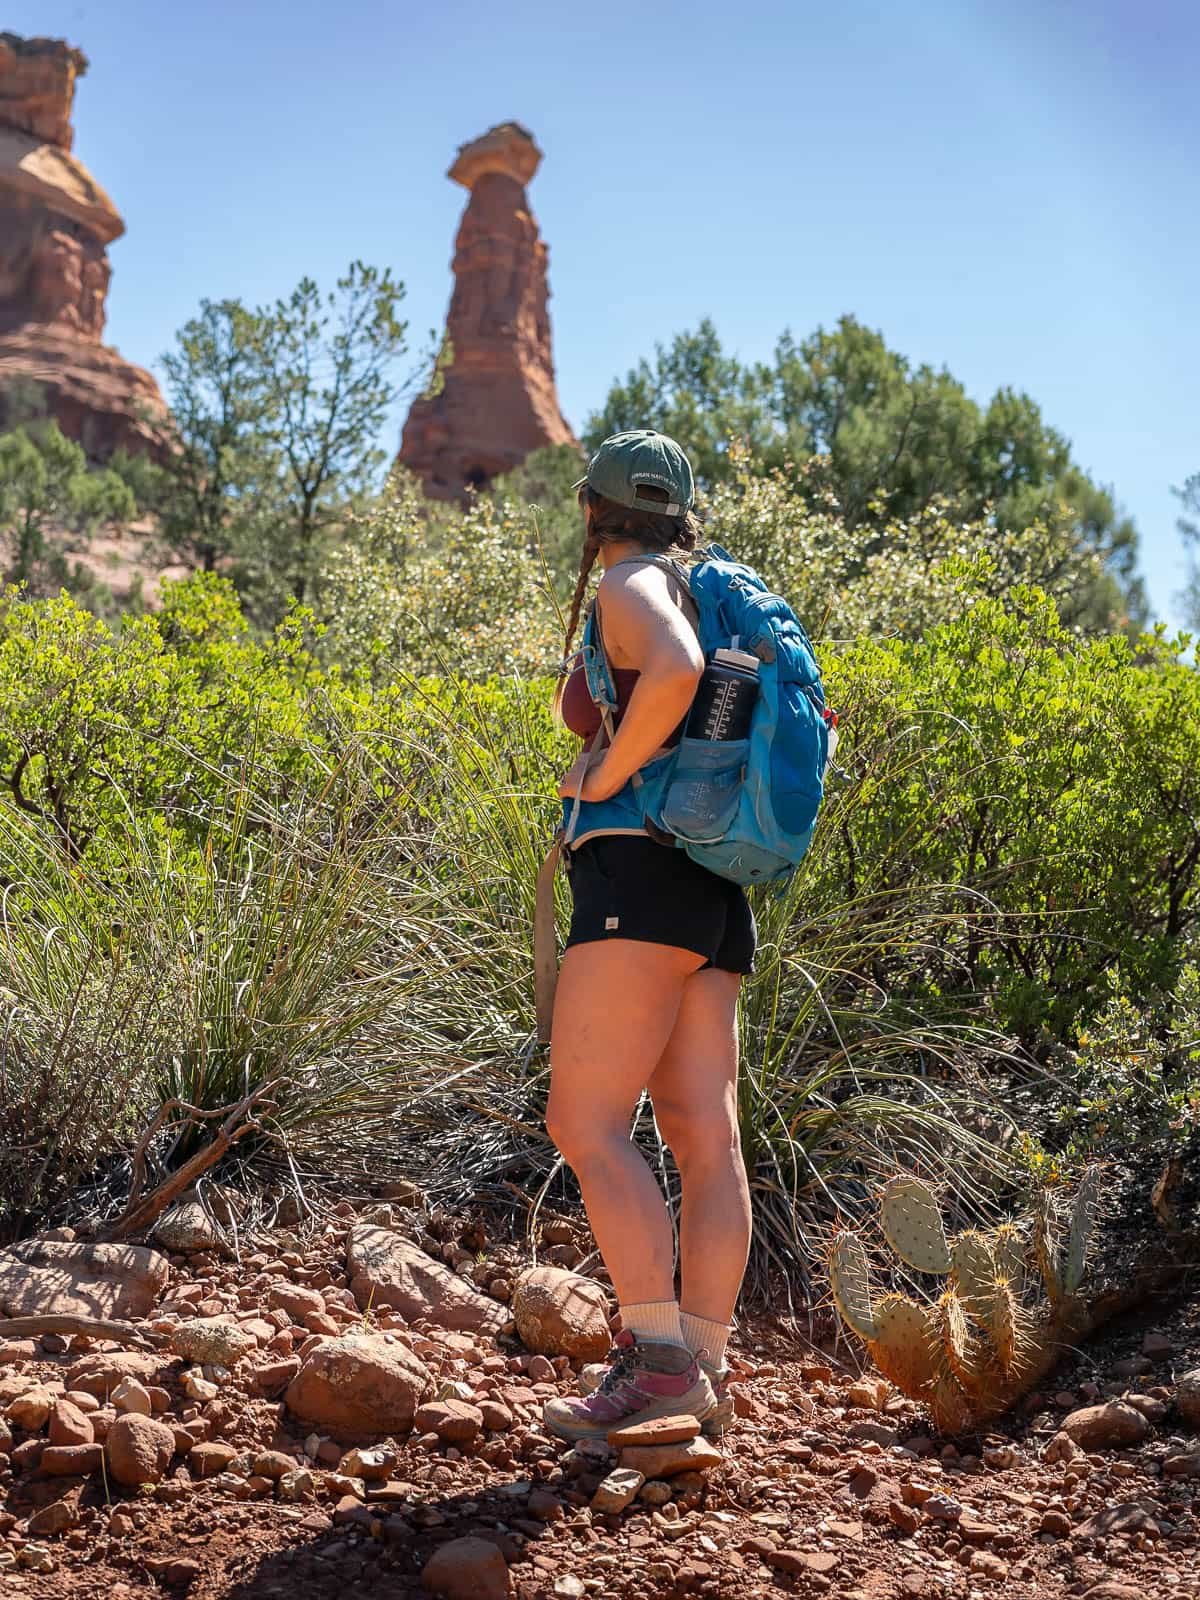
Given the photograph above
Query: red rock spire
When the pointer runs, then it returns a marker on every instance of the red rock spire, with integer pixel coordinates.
(499, 401)
(55, 224)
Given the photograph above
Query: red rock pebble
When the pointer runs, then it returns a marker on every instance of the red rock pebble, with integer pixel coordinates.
(68, 1425)
(274, 1376)
(70, 1460)
(296, 1301)
(665, 1460)
(139, 1449)
(467, 1569)
(906, 1518)
(359, 1385)
(454, 1421)
(497, 1418)
(210, 1458)
(1106, 1427)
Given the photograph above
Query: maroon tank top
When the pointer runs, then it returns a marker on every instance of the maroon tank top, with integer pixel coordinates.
(582, 715)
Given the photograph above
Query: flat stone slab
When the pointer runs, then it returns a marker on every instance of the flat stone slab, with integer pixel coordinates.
(666, 1460)
(49, 1277)
(660, 1430)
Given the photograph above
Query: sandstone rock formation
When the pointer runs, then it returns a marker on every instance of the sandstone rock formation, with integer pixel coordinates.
(49, 1277)
(498, 402)
(561, 1313)
(386, 1269)
(359, 1386)
(55, 225)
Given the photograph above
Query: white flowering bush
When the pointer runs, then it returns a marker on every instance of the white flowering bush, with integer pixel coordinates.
(899, 581)
(431, 589)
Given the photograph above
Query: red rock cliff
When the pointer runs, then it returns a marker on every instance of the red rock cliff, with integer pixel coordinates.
(499, 402)
(55, 225)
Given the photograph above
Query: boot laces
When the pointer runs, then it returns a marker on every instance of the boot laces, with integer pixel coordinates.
(620, 1363)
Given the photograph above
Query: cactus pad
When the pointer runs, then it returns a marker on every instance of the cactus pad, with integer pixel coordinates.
(1083, 1222)
(912, 1224)
(973, 1271)
(1009, 1329)
(968, 1359)
(1008, 1248)
(902, 1348)
(850, 1281)
(1045, 1244)
(951, 1409)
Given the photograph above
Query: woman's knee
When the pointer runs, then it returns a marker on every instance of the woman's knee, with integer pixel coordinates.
(581, 1136)
(698, 1140)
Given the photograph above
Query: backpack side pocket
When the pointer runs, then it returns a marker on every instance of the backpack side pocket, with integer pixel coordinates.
(702, 796)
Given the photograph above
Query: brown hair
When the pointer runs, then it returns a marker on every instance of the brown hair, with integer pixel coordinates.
(606, 522)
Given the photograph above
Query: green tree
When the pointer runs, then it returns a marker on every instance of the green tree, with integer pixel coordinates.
(325, 363)
(888, 442)
(543, 483)
(221, 476)
(46, 485)
(278, 412)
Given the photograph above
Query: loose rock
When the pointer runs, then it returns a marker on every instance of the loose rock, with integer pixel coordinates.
(467, 1569)
(560, 1313)
(1107, 1426)
(132, 1396)
(666, 1460)
(659, 1430)
(68, 1425)
(186, 1227)
(454, 1421)
(211, 1341)
(30, 1410)
(359, 1386)
(42, 1277)
(139, 1450)
(54, 1519)
(617, 1490)
(387, 1270)
(70, 1460)
(99, 1375)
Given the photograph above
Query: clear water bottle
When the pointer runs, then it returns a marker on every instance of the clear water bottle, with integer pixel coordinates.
(723, 708)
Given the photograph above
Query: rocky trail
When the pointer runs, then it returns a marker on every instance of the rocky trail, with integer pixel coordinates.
(355, 1410)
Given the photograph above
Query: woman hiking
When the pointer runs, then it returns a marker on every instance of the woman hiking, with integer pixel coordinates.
(648, 987)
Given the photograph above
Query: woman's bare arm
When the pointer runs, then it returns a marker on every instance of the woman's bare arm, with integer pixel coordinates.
(643, 629)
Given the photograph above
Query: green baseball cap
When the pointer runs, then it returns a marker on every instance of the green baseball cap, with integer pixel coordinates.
(626, 461)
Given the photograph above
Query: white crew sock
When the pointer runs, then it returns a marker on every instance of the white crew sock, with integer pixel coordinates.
(656, 1321)
(711, 1337)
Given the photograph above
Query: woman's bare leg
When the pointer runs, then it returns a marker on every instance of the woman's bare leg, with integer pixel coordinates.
(694, 1091)
(617, 1003)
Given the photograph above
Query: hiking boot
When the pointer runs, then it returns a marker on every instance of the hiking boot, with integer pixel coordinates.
(721, 1416)
(644, 1380)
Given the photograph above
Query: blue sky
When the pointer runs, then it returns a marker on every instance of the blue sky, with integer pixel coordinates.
(1007, 190)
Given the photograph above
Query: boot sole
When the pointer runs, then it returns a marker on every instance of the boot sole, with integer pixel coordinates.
(566, 1428)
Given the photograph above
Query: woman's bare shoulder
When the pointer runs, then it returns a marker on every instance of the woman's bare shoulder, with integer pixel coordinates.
(637, 585)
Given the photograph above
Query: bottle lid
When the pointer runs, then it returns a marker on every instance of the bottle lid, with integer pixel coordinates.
(737, 658)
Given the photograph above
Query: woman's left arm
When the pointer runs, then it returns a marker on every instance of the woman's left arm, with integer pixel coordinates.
(646, 630)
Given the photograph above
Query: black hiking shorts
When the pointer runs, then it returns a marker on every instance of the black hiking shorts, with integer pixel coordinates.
(626, 887)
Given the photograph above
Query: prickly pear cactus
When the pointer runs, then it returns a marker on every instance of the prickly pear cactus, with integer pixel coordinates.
(972, 1352)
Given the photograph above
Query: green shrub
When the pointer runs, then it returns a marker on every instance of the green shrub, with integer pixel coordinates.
(238, 860)
(1053, 779)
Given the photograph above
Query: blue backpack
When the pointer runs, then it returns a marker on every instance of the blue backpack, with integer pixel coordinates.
(745, 808)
